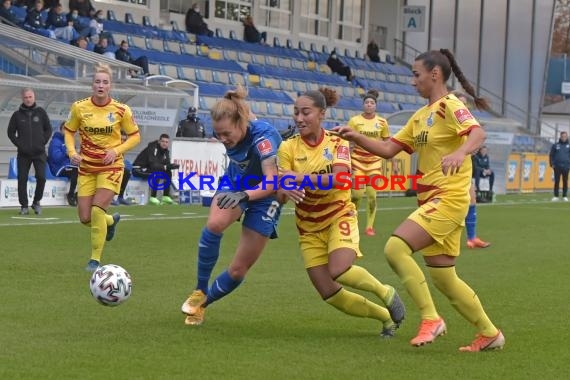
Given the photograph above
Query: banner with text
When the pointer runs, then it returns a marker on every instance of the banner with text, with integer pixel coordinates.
(205, 158)
(159, 117)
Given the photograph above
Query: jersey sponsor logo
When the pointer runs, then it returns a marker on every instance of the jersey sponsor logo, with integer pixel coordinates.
(342, 153)
(108, 130)
(463, 114)
(264, 147)
(301, 159)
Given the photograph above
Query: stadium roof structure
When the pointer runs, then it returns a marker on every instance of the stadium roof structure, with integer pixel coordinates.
(41, 55)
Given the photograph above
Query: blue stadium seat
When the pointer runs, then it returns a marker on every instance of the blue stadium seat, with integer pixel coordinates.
(129, 19)
(111, 15)
(233, 35)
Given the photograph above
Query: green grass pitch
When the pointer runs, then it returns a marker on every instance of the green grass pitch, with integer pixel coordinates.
(274, 326)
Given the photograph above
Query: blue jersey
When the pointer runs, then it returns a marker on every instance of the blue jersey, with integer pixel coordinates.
(261, 142)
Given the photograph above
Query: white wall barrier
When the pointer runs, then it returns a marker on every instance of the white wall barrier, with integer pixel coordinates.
(203, 157)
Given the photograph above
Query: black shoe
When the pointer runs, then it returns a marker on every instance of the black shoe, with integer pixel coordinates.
(24, 211)
(37, 208)
(71, 200)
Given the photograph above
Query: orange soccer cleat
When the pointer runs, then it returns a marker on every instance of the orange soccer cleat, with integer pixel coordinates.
(477, 243)
(485, 343)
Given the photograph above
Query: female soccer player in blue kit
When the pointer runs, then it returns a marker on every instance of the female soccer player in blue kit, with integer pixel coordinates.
(252, 150)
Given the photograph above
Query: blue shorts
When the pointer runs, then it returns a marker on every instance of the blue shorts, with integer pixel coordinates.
(261, 216)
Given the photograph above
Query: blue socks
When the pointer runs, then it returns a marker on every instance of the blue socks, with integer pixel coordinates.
(208, 253)
(471, 222)
(222, 286)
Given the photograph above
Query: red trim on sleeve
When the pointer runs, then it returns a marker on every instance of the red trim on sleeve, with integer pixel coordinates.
(406, 147)
(468, 130)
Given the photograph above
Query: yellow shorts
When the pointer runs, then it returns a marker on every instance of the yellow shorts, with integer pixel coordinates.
(87, 184)
(444, 230)
(316, 246)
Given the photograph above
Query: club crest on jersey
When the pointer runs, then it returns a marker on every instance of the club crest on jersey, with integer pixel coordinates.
(327, 155)
(342, 153)
(376, 126)
(462, 115)
(110, 117)
(429, 121)
(264, 147)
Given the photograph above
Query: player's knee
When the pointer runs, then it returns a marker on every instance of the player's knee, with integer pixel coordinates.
(238, 271)
(396, 248)
(215, 227)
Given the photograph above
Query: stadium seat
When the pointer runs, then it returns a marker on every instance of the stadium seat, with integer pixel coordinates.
(276, 42)
(233, 35)
(146, 21)
(219, 33)
(129, 18)
(289, 44)
(302, 46)
(111, 15)
(326, 50)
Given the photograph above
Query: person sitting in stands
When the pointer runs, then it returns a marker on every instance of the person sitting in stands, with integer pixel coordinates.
(123, 54)
(250, 32)
(337, 66)
(195, 22)
(8, 14)
(373, 51)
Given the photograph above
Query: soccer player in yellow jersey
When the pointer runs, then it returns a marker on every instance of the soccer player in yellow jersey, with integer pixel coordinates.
(99, 120)
(443, 134)
(325, 216)
(364, 163)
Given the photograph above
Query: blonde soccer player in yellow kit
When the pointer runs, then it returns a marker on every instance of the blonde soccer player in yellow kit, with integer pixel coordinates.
(443, 134)
(326, 218)
(364, 163)
(99, 121)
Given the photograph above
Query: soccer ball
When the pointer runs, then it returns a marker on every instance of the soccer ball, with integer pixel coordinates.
(111, 285)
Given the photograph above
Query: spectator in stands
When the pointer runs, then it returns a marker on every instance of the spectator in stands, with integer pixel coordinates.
(81, 42)
(195, 22)
(250, 32)
(83, 7)
(7, 13)
(60, 164)
(191, 126)
(63, 28)
(35, 20)
(122, 54)
(96, 26)
(373, 51)
(560, 162)
(126, 177)
(82, 29)
(102, 46)
(337, 66)
(29, 130)
(156, 158)
(483, 168)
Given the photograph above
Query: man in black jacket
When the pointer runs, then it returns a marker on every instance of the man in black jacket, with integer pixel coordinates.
(156, 158)
(191, 126)
(560, 162)
(123, 54)
(30, 130)
(483, 169)
(195, 22)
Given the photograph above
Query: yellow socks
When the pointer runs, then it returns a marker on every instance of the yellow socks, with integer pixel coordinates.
(399, 256)
(462, 298)
(109, 220)
(359, 278)
(371, 207)
(356, 196)
(98, 231)
(357, 305)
